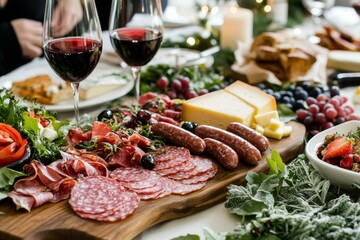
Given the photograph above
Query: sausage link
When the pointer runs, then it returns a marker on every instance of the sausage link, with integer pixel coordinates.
(252, 136)
(222, 152)
(179, 136)
(245, 150)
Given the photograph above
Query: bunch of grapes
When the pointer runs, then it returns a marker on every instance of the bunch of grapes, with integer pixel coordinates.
(294, 95)
(179, 87)
(325, 111)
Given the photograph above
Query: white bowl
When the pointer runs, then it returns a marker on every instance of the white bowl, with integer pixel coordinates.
(336, 175)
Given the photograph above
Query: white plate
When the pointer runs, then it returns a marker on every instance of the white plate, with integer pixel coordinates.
(67, 105)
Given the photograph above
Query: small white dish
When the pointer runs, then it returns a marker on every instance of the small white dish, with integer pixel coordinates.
(336, 175)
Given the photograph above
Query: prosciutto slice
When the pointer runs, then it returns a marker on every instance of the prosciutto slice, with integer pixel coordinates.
(43, 184)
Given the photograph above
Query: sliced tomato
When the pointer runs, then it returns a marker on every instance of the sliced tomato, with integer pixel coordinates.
(13, 133)
(100, 129)
(5, 138)
(14, 150)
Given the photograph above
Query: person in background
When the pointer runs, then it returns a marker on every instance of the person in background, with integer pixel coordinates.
(21, 29)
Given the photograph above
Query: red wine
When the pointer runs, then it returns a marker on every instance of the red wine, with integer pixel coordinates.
(73, 59)
(136, 46)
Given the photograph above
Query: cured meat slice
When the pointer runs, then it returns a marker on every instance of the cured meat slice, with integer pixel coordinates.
(143, 184)
(202, 165)
(166, 189)
(131, 174)
(167, 153)
(96, 195)
(203, 177)
(182, 189)
(189, 165)
(174, 157)
(124, 208)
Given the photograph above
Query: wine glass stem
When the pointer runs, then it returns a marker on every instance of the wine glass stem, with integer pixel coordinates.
(75, 87)
(136, 74)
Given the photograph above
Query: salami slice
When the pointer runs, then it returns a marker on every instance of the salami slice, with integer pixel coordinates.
(166, 189)
(202, 165)
(95, 195)
(203, 177)
(143, 184)
(175, 156)
(189, 165)
(125, 208)
(165, 153)
(182, 189)
(131, 174)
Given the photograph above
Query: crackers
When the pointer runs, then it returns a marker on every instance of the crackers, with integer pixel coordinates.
(43, 89)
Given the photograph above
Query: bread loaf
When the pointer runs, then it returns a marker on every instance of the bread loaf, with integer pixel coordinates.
(287, 59)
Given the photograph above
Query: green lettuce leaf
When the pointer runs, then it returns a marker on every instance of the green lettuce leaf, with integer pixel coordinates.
(7, 179)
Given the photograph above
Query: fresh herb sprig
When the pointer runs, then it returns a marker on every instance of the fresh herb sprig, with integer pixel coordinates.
(291, 202)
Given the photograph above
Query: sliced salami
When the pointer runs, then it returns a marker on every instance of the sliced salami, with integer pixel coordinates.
(203, 177)
(124, 208)
(143, 184)
(166, 189)
(131, 174)
(202, 165)
(175, 156)
(189, 165)
(165, 153)
(182, 189)
(96, 195)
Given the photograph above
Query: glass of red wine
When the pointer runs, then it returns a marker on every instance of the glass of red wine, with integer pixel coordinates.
(72, 41)
(136, 31)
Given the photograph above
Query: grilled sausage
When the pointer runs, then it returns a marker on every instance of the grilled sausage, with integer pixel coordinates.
(179, 136)
(252, 136)
(245, 150)
(222, 152)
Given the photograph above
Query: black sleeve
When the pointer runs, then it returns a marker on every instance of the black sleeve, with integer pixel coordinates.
(10, 51)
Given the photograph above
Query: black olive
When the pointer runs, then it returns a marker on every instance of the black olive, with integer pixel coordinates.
(189, 126)
(144, 115)
(130, 122)
(147, 161)
(107, 114)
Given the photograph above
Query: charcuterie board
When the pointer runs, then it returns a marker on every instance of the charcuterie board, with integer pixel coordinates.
(58, 221)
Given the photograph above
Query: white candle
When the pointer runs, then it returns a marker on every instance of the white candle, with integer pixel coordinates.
(280, 11)
(237, 26)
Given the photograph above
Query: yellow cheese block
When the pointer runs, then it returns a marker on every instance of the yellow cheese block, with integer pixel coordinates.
(265, 118)
(287, 131)
(217, 109)
(261, 101)
(277, 134)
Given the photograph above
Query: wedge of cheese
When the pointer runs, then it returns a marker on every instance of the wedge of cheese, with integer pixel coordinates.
(217, 109)
(101, 84)
(259, 100)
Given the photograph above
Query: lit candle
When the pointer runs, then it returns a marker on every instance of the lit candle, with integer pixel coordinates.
(237, 26)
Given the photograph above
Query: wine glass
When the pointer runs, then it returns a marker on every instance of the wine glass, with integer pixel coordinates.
(72, 42)
(136, 31)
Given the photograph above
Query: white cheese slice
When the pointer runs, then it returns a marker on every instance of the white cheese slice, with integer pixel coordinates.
(102, 84)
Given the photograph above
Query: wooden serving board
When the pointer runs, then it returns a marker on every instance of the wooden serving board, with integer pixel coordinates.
(58, 221)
